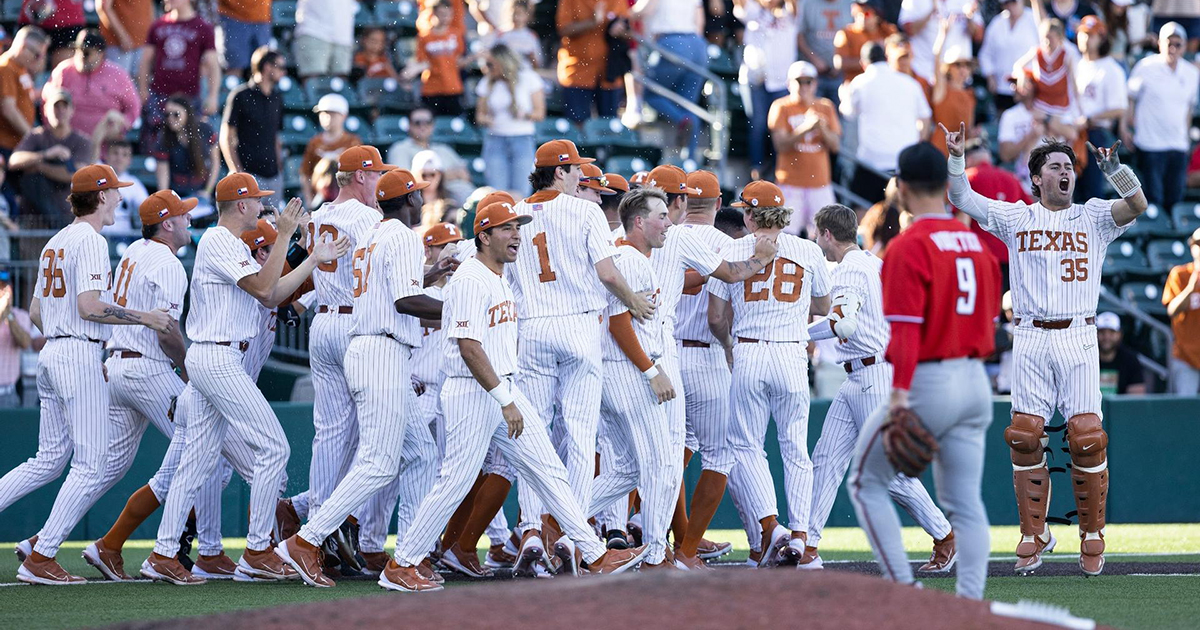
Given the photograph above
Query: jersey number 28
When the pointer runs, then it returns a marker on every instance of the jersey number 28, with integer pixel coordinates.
(783, 294)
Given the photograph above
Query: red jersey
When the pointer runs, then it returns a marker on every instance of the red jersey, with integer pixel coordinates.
(941, 293)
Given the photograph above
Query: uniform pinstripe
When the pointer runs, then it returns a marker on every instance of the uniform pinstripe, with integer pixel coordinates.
(222, 312)
(335, 422)
(74, 396)
(770, 378)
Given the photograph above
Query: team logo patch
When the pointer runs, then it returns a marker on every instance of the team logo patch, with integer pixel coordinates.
(509, 206)
(244, 263)
(243, 191)
(102, 181)
(258, 241)
(368, 163)
(537, 207)
(777, 199)
(451, 230)
(699, 190)
(95, 276)
(563, 157)
(429, 238)
(409, 185)
(484, 222)
(462, 323)
(415, 283)
(682, 186)
(164, 212)
(380, 193)
(754, 202)
(173, 306)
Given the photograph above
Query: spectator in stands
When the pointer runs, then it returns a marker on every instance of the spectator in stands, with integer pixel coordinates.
(17, 335)
(119, 155)
(245, 26)
(882, 221)
(1163, 89)
(1120, 370)
(921, 19)
(1011, 34)
(61, 20)
(420, 133)
(332, 110)
(372, 59)
(97, 86)
(490, 16)
(124, 25)
(18, 64)
(891, 112)
(867, 26)
(1103, 98)
(678, 27)
(584, 27)
(188, 156)
(952, 101)
(1182, 297)
(1022, 127)
(820, 21)
(769, 50)
(1116, 18)
(47, 158)
(806, 131)
(253, 118)
(1051, 66)
(1185, 12)
(1069, 12)
(180, 47)
(324, 38)
(440, 205)
(441, 55)
(1193, 169)
(511, 101)
(519, 37)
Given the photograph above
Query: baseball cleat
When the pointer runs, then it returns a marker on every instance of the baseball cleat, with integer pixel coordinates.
(305, 560)
(754, 558)
(532, 554)
(427, 571)
(460, 561)
(945, 554)
(616, 539)
(164, 569)
(347, 544)
(376, 562)
(257, 566)
(564, 550)
(779, 540)
(616, 561)
(709, 550)
(25, 548)
(634, 526)
(811, 560)
(1030, 550)
(185, 544)
(690, 563)
(791, 554)
(498, 557)
(406, 580)
(108, 562)
(287, 521)
(47, 572)
(1091, 553)
(218, 567)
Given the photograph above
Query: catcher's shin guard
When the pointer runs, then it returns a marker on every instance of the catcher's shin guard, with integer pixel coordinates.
(1027, 439)
(1089, 469)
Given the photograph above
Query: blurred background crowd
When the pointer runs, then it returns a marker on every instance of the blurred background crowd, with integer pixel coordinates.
(817, 95)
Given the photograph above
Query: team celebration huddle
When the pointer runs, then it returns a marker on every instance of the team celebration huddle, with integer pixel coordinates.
(583, 346)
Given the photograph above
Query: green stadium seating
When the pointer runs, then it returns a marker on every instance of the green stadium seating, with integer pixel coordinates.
(1165, 254)
(291, 171)
(558, 128)
(476, 167)
(283, 13)
(1125, 258)
(1154, 222)
(391, 128)
(398, 15)
(1186, 216)
(1146, 295)
(298, 129)
(295, 99)
(316, 87)
(721, 63)
(365, 16)
(609, 132)
(387, 94)
(143, 168)
(457, 131)
(357, 125)
(626, 165)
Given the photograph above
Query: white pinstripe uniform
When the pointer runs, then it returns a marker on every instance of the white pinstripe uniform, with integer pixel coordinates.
(222, 313)
(560, 299)
(71, 386)
(770, 376)
(387, 268)
(864, 390)
(635, 423)
(335, 423)
(480, 305)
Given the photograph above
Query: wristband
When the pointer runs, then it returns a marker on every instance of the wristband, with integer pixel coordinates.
(956, 165)
(1124, 182)
(502, 393)
(650, 372)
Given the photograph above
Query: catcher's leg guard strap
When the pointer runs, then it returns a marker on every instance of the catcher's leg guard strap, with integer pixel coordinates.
(1026, 437)
(1089, 472)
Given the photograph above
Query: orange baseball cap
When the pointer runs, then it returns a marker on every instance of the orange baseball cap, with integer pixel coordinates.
(494, 196)
(235, 186)
(1092, 24)
(705, 183)
(759, 194)
(639, 178)
(616, 182)
(94, 177)
(362, 158)
(163, 205)
(397, 182)
(671, 179)
(594, 178)
(441, 234)
(262, 235)
(496, 214)
(559, 153)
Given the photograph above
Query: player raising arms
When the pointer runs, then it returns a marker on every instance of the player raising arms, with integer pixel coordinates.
(1056, 250)
(941, 293)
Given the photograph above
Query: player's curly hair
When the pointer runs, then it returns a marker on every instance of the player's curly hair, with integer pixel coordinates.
(1041, 153)
(771, 217)
(84, 203)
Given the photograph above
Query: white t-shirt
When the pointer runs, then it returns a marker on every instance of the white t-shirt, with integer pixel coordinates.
(1004, 43)
(327, 20)
(922, 43)
(1101, 87)
(672, 16)
(148, 277)
(1164, 100)
(888, 105)
(500, 99)
(770, 45)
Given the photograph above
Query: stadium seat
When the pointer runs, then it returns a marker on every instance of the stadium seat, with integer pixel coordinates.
(358, 126)
(291, 171)
(298, 129)
(387, 94)
(720, 62)
(316, 87)
(1154, 222)
(1165, 254)
(688, 165)
(294, 97)
(1125, 258)
(144, 169)
(558, 128)
(457, 131)
(401, 15)
(626, 165)
(365, 16)
(283, 13)
(391, 128)
(609, 132)
(476, 167)
(1186, 216)
(1147, 296)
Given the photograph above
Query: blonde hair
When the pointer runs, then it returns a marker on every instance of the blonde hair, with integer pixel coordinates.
(510, 72)
(772, 217)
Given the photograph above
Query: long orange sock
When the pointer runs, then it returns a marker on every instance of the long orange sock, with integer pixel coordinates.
(454, 527)
(138, 508)
(705, 499)
(490, 498)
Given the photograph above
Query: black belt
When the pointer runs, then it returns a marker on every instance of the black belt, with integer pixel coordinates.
(868, 361)
(1054, 324)
(340, 310)
(126, 354)
(749, 340)
(242, 346)
(89, 339)
(688, 343)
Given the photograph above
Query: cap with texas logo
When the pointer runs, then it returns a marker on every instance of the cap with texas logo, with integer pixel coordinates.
(237, 186)
(669, 179)
(441, 234)
(559, 153)
(705, 184)
(362, 158)
(163, 205)
(496, 214)
(95, 177)
(759, 194)
(397, 182)
(262, 235)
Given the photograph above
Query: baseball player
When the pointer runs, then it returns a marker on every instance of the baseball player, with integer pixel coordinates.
(635, 388)
(856, 320)
(388, 298)
(335, 422)
(610, 204)
(1056, 251)
(941, 293)
(482, 406)
(228, 287)
(68, 307)
(592, 185)
(768, 316)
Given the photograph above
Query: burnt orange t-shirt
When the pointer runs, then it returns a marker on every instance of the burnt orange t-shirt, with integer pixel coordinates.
(458, 21)
(135, 16)
(583, 57)
(957, 107)
(254, 11)
(1186, 323)
(442, 53)
(375, 66)
(806, 164)
(849, 42)
(15, 82)
(319, 149)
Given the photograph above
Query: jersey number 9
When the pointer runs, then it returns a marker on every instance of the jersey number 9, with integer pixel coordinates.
(965, 304)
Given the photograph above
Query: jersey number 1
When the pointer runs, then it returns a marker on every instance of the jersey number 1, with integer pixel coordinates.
(121, 293)
(965, 304)
(547, 274)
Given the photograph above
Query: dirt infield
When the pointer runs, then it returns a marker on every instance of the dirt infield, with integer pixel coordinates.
(722, 599)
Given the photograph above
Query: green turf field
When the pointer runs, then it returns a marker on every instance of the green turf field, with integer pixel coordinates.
(1157, 601)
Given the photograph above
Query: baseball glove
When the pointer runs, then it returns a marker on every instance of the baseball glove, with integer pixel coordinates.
(908, 446)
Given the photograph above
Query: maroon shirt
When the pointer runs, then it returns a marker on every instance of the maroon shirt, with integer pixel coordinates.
(178, 48)
(66, 13)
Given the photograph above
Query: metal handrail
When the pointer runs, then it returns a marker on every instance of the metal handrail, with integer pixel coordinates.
(717, 116)
(1131, 309)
